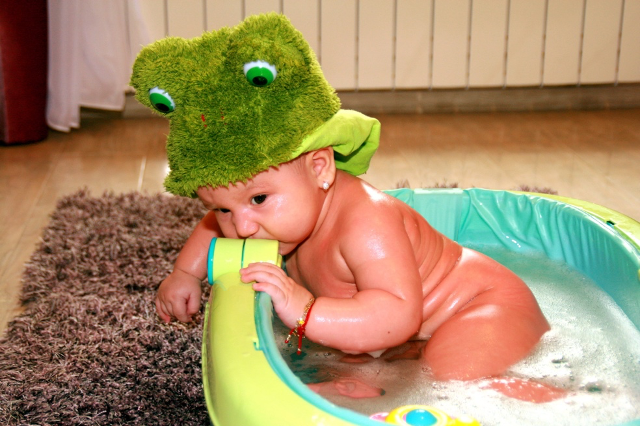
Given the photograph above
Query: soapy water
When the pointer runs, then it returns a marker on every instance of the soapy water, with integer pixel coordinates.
(592, 352)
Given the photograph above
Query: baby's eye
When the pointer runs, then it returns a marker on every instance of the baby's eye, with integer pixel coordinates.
(258, 199)
(223, 210)
(260, 73)
(161, 100)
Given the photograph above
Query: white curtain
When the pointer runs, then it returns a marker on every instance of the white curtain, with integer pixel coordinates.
(92, 45)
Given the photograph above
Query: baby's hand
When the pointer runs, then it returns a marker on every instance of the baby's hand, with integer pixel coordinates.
(178, 297)
(289, 298)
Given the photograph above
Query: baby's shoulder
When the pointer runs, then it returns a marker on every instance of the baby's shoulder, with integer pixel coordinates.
(366, 206)
(360, 198)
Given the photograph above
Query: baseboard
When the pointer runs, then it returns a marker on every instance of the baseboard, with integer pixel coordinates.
(493, 100)
(472, 100)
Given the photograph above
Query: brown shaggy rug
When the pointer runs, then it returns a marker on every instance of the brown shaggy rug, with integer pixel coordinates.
(89, 349)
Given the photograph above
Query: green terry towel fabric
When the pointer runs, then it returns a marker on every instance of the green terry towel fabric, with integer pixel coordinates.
(241, 100)
(353, 136)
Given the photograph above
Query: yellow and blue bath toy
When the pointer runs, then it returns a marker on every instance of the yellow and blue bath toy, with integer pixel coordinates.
(423, 415)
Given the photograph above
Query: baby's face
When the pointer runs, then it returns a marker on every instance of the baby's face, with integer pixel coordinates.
(278, 204)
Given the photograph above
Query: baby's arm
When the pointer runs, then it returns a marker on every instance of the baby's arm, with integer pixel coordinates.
(179, 294)
(387, 308)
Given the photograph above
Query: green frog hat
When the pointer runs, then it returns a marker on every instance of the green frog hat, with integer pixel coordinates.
(241, 100)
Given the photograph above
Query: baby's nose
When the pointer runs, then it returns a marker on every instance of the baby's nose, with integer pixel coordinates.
(246, 228)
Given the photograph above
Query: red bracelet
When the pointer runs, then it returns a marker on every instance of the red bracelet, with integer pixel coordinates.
(301, 326)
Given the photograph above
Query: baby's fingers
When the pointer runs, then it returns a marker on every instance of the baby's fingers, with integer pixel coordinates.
(180, 311)
(177, 309)
(264, 267)
(263, 273)
(277, 295)
(268, 281)
(162, 311)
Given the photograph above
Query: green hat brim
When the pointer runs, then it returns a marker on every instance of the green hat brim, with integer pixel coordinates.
(353, 136)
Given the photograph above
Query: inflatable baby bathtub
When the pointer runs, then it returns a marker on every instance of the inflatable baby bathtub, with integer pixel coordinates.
(246, 380)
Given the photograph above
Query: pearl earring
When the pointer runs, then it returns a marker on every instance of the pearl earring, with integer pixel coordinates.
(325, 185)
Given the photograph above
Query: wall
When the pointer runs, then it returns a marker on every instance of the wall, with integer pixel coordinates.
(440, 44)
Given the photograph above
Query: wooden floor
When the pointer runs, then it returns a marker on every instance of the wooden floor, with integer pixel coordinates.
(591, 155)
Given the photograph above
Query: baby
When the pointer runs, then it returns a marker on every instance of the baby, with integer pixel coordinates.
(379, 273)
(257, 134)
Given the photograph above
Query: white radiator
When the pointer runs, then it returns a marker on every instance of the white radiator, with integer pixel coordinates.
(431, 44)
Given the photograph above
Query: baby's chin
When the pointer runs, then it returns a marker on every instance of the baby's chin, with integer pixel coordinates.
(286, 248)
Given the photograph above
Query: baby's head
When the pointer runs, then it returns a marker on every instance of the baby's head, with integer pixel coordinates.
(282, 203)
(244, 102)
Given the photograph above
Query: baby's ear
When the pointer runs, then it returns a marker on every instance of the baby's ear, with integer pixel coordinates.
(323, 164)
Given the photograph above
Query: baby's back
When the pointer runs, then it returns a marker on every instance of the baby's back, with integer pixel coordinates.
(454, 277)
(435, 254)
